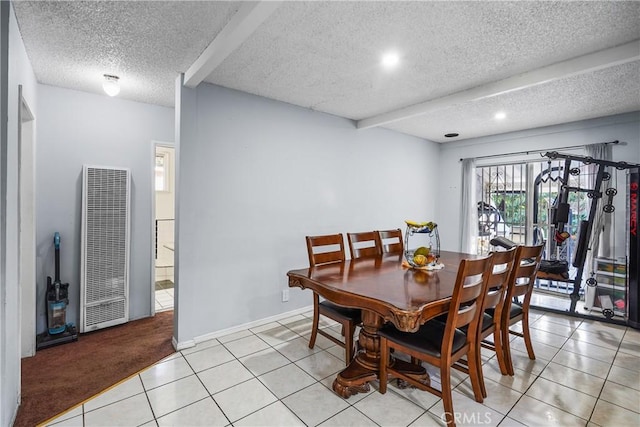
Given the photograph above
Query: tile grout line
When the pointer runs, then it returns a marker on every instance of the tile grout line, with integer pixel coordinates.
(524, 393)
(607, 379)
(256, 377)
(321, 351)
(205, 387)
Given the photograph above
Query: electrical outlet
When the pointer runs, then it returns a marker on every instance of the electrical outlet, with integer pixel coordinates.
(285, 295)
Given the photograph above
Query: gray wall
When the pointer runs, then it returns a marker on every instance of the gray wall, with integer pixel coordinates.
(76, 128)
(8, 389)
(19, 73)
(624, 127)
(255, 176)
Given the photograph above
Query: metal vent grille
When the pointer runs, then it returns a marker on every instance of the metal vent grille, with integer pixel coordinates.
(105, 247)
(106, 312)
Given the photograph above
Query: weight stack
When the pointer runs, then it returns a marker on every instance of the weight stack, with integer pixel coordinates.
(633, 245)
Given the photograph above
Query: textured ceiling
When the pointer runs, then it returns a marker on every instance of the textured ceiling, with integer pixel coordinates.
(72, 44)
(326, 56)
(598, 94)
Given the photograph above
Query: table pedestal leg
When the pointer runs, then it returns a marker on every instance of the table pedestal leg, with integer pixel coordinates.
(365, 366)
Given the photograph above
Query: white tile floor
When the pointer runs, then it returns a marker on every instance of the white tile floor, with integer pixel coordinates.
(586, 374)
(164, 299)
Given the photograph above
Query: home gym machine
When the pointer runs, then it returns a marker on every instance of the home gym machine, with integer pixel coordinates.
(627, 272)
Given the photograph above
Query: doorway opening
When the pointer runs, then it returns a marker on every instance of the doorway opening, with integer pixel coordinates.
(27, 226)
(164, 226)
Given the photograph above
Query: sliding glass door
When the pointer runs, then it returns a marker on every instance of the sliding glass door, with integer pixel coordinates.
(519, 201)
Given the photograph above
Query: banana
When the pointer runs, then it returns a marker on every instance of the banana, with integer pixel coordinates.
(415, 223)
(430, 224)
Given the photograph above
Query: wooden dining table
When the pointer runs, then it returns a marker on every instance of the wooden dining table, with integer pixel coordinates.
(386, 291)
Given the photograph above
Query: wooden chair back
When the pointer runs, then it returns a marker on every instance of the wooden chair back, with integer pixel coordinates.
(523, 274)
(325, 249)
(464, 309)
(521, 282)
(492, 309)
(502, 264)
(471, 282)
(391, 241)
(329, 249)
(366, 244)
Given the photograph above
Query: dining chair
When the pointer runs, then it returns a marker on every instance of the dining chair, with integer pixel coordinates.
(521, 283)
(391, 241)
(492, 306)
(366, 244)
(324, 250)
(443, 344)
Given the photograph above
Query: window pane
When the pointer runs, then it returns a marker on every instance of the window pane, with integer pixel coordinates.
(160, 173)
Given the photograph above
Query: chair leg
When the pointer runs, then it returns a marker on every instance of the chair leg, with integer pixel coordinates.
(348, 341)
(475, 373)
(384, 360)
(527, 336)
(483, 389)
(506, 346)
(316, 320)
(497, 342)
(447, 399)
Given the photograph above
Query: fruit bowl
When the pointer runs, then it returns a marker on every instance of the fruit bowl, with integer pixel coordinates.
(426, 234)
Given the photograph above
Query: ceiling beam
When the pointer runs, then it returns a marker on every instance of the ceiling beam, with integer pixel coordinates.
(561, 70)
(246, 20)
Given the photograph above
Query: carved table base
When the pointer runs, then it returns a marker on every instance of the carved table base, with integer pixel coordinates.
(354, 379)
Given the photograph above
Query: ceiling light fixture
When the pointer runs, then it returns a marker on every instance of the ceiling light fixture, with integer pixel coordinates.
(390, 60)
(111, 85)
(500, 115)
(451, 135)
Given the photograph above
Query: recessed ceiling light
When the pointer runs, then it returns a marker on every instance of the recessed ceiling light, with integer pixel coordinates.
(111, 85)
(390, 59)
(500, 115)
(451, 135)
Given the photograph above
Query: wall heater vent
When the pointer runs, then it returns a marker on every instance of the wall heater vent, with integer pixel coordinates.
(106, 212)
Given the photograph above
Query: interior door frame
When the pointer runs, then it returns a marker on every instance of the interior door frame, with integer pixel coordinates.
(154, 146)
(27, 227)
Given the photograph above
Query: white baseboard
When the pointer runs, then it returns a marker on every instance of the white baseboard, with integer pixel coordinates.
(206, 337)
(182, 345)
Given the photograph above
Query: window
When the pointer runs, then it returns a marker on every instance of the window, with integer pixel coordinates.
(161, 172)
(518, 201)
(502, 201)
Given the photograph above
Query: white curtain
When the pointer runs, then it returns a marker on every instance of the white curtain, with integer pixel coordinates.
(469, 212)
(600, 239)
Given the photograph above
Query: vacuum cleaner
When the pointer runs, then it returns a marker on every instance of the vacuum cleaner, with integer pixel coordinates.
(57, 299)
